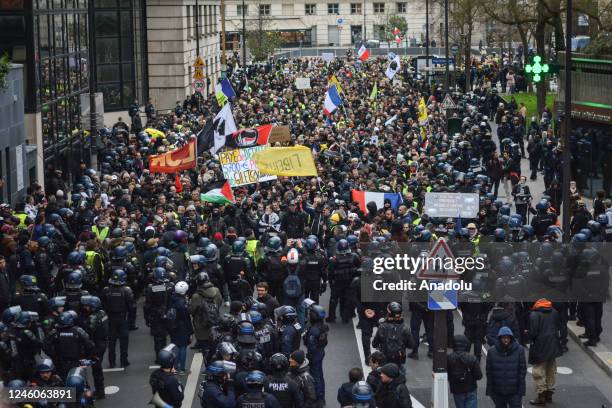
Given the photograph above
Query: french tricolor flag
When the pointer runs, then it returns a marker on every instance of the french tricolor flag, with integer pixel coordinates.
(363, 53)
(364, 197)
(332, 100)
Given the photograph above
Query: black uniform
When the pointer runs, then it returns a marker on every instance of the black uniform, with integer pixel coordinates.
(233, 264)
(67, 346)
(33, 300)
(118, 301)
(167, 386)
(285, 390)
(392, 339)
(313, 273)
(342, 270)
(97, 327)
(156, 304)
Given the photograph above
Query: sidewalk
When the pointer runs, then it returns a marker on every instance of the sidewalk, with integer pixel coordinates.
(602, 354)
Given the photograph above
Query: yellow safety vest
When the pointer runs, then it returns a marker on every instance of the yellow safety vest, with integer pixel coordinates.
(22, 220)
(100, 234)
(252, 248)
(90, 256)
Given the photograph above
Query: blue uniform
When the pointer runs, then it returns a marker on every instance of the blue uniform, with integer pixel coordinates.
(215, 397)
(316, 341)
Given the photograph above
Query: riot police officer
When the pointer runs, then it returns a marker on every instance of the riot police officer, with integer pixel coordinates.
(255, 396)
(45, 375)
(73, 291)
(393, 335)
(204, 307)
(281, 385)
(68, 344)
(265, 333)
(31, 298)
(368, 313)
(214, 270)
(271, 267)
(238, 270)
(118, 299)
(120, 261)
(95, 323)
(163, 382)
(315, 340)
(157, 295)
(55, 308)
(289, 329)
(23, 342)
(314, 270)
(342, 269)
(217, 390)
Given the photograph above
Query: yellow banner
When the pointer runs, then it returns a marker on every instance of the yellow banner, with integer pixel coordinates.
(286, 161)
(334, 81)
(422, 112)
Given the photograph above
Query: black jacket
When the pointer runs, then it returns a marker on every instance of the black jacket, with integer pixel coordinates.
(506, 370)
(394, 394)
(345, 394)
(463, 367)
(544, 334)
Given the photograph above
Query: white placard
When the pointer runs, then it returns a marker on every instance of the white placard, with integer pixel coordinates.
(19, 166)
(302, 83)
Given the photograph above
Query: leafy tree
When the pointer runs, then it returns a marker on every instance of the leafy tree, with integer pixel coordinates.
(602, 45)
(260, 40)
(5, 66)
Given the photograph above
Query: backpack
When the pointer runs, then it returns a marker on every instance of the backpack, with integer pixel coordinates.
(393, 343)
(461, 374)
(170, 319)
(292, 287)
(208, 312)
(89, 276)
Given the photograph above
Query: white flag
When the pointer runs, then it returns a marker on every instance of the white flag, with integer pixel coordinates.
(223, 125)
(393, 67)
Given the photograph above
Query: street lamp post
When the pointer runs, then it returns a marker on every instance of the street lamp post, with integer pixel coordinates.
(91, 51)
(197, 28)
(364, 22)
(223, 58)
(567, 119)
(447, 79)
(427, 40)
(243, 35)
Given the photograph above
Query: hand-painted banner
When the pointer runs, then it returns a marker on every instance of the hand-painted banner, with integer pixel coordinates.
(239, 168)
(286, 161)
(183, 158)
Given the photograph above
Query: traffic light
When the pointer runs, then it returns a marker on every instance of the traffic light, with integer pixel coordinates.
(536, 69)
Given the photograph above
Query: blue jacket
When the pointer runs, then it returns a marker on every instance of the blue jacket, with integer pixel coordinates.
(184, 329)
(506, 370)
(214, 397)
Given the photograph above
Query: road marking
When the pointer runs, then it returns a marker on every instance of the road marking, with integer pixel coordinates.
(111, 389)
(192, 381)
(112, 370)
(153, 367)
(366, 369)
(560, 370)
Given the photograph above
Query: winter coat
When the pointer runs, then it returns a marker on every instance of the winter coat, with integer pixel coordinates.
(543, 333)
(463, 368)
(180, 335)
(207, 292)
(500, 317)
(345, 394)
(506, 370)
(394, 394)
(305, 381)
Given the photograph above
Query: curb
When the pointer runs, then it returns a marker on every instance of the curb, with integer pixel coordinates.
(600, 354)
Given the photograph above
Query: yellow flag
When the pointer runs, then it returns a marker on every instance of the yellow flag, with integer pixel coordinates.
(334, 81)
(422, 112)
(286, 161)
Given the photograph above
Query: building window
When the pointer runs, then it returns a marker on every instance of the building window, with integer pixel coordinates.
(379, 32)
(310, 9)
(401, 7)
(379, 8)
(242, 10)
(355, 8)
(288, 9)
(195, 21)
(188, 21)
(264, 9)
(333, 8)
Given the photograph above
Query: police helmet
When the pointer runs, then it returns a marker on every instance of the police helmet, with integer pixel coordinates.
(238, 247)
(285, 312)
(45, 366)
(14, 384)
(317, 313)
(199, 260)
(76, 258)
(362, 395)
(514, 224)
(504, 210)
(28, 281)
(203, 242)
(310, 244)
(56, 302)
(255, 379)
(159, 274)
(91, 301)
(119, 252)
(167, 356)
(163, 251)
(74, 280)
(273, 244)
(505, 265)
(44, 242)
(594, 226)
(343, 247)
(164, 262)
(587, 232)
(528, 230)
(255, 316)
(119, 277)
(279, 362)
(76, 378)
(352, 240)
(500, 234)
(602, 219)
(67, 318)
(579, 238)
(394, 309)
(211, 253)
(217, 369)
(117, 233)
(180, 235)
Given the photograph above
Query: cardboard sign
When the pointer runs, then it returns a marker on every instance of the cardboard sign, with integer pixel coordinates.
(279, 134)
(302, 83)
(239, 168)
(327, 56)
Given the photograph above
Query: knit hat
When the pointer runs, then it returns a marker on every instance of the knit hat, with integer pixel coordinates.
(298, 356)
(218, 236)
(390, 370)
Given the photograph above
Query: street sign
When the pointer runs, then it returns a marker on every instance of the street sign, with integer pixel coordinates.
(442, 300)
(198, 74)
(537, 69)
(443, 205)
(442, 61)
(454, 48)
(199, 62)
(198, 85)
(437, 259)
(448, 103)
(339, 21)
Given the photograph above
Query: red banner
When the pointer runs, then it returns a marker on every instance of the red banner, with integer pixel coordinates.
(183, 158)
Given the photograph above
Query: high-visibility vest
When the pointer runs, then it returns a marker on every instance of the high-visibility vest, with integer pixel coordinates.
(252, 248)
(90, 257)
(22, 220)
(101, 234)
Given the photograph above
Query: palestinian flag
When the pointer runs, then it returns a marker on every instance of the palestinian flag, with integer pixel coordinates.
(220, 193)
